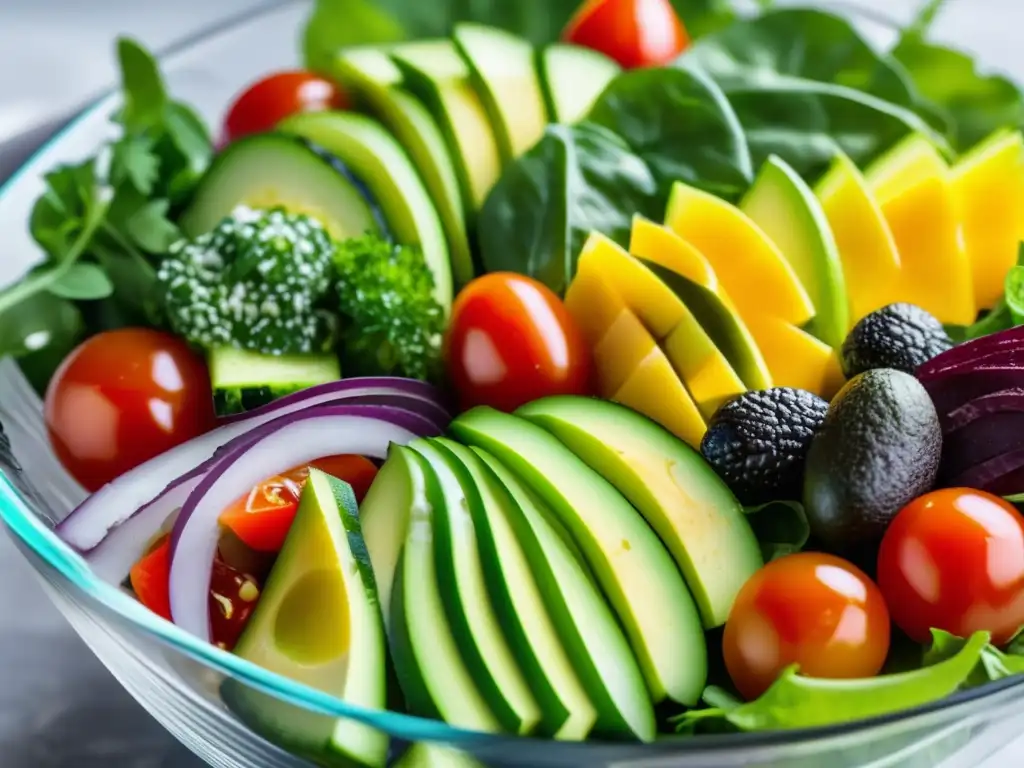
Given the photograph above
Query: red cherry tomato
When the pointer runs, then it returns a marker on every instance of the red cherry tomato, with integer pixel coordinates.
(263, 517)
(123, 397)
(151, 578)
(266, 103)
(636, 33)
(954, 560)
(233, 598)
(511, 341)
(810, 609)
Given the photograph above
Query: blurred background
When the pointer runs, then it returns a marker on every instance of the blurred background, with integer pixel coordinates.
(58, 706)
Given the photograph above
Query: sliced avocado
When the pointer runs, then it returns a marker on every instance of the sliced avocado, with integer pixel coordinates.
(502, 67)
(646, 590)
(375, 82)
(273, 169)
(423, 755)
(436, 679)
(573, 77)
(244, 380)
(588, 630)
(725, 327)
(460, 577)
(436, 74)
(911, 160)
(378, 159)
(319, 622)
(567, 712)
(687, 504)
(782, 204)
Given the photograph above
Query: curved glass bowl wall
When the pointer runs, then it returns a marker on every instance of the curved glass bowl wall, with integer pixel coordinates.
(180, 680)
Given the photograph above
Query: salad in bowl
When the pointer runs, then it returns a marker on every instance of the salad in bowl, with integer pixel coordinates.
(633, 378)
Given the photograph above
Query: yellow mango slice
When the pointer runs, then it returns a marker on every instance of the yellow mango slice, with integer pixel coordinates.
(624, 347)
(988, 187)
(797, 359)
(867, 249)
(908, 163)
(655, 390)
(709, 378)
(749, 265)
(657, 243)
(935, 273)
(592, 302)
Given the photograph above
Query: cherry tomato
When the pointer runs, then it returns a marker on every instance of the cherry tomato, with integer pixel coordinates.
(123, 397)
(954, 560)
(636, 33)
(263, 517)
(511, 341)
(810, 609)
(151, 578)
(233, 598)
(266, 103)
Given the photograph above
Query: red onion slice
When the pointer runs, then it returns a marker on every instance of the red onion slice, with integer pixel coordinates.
(90, 523)
(286, 442)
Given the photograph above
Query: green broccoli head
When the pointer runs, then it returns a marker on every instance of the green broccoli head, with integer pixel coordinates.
(255, 283)
(391, 324)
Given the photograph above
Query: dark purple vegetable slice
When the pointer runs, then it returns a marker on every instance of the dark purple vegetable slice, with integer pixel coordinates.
(963, 355)
(979, 441)
(1001, 401)
(952, 391)
(288, 441)
(988, 474)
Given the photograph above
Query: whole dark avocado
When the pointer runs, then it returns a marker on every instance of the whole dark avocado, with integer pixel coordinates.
(758, 442)
(878, 449)
(899, 336)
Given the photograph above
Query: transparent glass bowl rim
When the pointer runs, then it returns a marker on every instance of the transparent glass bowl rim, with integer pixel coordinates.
(44, 542)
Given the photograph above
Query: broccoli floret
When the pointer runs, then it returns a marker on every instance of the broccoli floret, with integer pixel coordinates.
(254, 283)
(391, 324)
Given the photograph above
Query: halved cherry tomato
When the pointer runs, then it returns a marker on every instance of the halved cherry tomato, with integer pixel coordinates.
(954, 560)
(123, 397)
(263, 517)
(511, 341)
(810, 609)
(266, 103)
(636, 33)
(151, 576)
(233, 598)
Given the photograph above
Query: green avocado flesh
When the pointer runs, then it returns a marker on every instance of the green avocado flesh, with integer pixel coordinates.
(503, 71)
(635, 570)
(271, 169)
(376, 158)
(782, 205)
(566, 710)
(672, 486)
(573, 77)
(318, 622)
(431, 756)
(471, 614)
(586, 626)
(375, 81)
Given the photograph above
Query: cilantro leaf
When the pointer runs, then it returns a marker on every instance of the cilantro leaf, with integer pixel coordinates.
(145, 98)
(132, 160)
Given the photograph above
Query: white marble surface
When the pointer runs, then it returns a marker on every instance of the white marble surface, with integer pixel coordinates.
(58, 707)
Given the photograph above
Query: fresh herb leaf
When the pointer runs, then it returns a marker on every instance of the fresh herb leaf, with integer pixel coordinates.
(1015, 294)
(150, 229)
(133, 161)
(576, 179)
(794, 701)
(680, 123)
(82, 280)
(781, 528)
(145, 98)
(42, 322)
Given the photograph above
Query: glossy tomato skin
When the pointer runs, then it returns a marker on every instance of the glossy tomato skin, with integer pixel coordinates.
(811, 609)
(233, 598)
(511, 340)
(123, 397)
(636, 33)
(269, 101)
(954, 560)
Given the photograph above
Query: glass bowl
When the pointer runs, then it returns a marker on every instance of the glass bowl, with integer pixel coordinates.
(180, 680)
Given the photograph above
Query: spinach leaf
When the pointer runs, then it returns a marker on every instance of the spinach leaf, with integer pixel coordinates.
(781, 528)
(335, 24)
(682, 126)
(576, 179)
(794, 701)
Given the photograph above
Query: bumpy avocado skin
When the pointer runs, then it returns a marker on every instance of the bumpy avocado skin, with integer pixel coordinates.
(878, 449)
(899, 336)
(758, 442)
